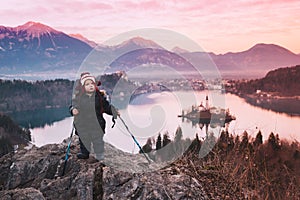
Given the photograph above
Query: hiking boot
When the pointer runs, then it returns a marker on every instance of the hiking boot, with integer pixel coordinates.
(82, 156)
(100, 157)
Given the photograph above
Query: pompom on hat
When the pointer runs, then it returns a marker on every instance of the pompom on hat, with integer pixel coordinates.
(86, 76)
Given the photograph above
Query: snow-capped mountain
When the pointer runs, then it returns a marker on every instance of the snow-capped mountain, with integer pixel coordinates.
(37, 47)
(35, 29)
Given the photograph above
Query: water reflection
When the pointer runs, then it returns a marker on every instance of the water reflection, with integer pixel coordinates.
(39, 118)
(248, 118)
(51, 134)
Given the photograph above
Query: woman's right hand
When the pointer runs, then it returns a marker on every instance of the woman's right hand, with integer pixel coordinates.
(75, 112)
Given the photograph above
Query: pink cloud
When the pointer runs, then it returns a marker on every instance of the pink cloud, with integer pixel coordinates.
(141, 6)
(75, 7)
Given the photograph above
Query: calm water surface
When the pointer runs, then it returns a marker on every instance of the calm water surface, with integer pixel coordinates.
(150, 114)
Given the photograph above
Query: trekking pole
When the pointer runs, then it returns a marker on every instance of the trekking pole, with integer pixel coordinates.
(68, 151)
(135, 140)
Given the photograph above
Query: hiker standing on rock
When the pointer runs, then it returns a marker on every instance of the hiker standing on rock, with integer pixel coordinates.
(88, 108)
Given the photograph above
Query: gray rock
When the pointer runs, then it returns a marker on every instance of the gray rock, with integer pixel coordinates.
(29, 168)
(36, 174)
(22, 194)
(152, 185)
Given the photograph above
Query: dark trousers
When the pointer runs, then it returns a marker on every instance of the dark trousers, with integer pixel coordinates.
(83, 150)
(86, 140)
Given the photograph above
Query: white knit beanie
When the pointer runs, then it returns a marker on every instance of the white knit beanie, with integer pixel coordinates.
(86, 76)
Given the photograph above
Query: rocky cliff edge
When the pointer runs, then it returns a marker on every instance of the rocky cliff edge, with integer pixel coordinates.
(36, 173)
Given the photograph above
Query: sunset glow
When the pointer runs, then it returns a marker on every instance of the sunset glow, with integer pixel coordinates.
(217, 26)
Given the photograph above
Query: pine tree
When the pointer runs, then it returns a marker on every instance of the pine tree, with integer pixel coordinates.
(245, 141)
(148, 146)
(166, 139)
(158, 142)
(258, 140)
(272, 140)
(222, 142)
(178, 134)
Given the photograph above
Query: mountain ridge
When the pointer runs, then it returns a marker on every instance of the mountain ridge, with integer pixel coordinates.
(34, 47)
(84, 39)
(36, 27)
(39, 47)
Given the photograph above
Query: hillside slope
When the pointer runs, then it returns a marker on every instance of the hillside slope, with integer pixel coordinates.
(279, 90)
(11, 134)
(282, 82)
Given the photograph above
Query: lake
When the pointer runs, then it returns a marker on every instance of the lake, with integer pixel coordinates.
(150, 114)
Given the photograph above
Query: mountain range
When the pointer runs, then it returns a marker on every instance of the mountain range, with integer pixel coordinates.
(35, 48)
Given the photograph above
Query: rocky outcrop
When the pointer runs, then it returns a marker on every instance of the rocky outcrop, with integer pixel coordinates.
(27, 193)
(161, 184)
(37, 174)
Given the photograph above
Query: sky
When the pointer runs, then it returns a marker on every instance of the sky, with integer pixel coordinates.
(216, 26)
